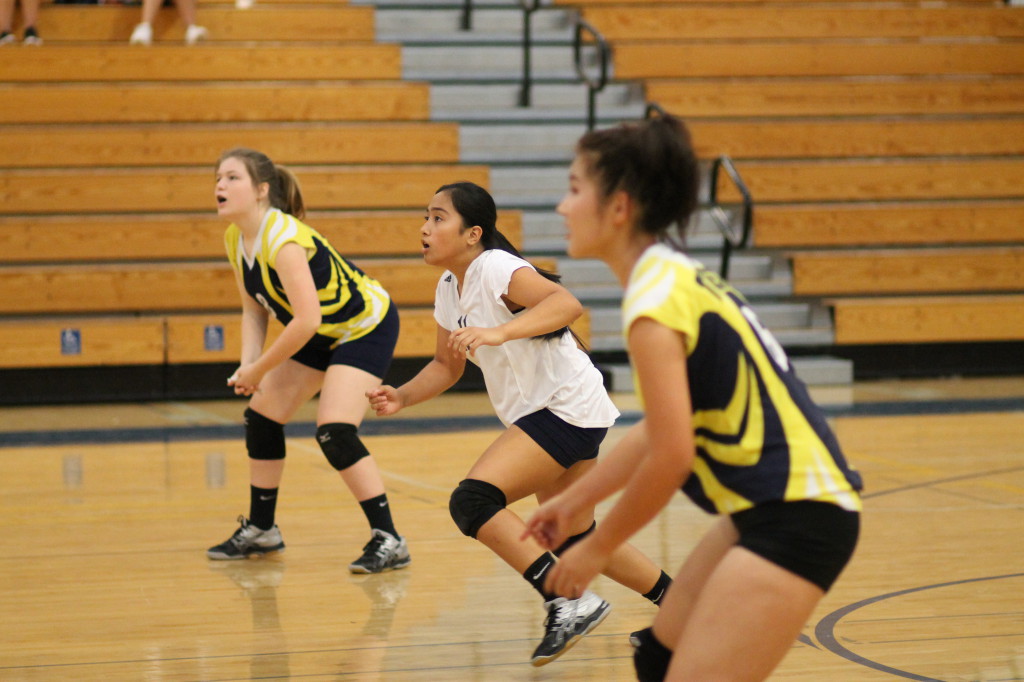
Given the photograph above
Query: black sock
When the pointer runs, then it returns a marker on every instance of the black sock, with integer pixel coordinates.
(657, 592)
(651, 658)
(378, 513)
(262, 506)
(538, 572)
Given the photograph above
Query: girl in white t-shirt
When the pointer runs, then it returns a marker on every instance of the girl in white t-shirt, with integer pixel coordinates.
(499, 312)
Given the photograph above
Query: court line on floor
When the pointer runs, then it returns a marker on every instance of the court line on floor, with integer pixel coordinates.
(824, 631)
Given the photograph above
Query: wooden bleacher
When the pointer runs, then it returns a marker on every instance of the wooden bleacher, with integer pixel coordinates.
(146, 144)
(235, 103)
(882, 143)
(884, 224)
(932, 319)
(206, 63)
(106, 175)
(788, 21)
(329, 23)
(191, 236)
(817, 58)
(821, 97)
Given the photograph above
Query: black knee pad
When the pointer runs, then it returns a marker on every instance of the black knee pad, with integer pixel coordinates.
(651, 657)
(264, 438)
(573, 539)
(340, 444)
(474, 503)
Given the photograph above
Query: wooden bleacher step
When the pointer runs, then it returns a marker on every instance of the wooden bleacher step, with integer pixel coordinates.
(881, 224)
(875, 137)
(642, 59)
(201, 144)
(99, 238)
(840, 97)
(177, 189)
(132, 102)
(114, 23)
(227, 63)
(803, 21)
(865, 272)
(871, 180)
(928, 319)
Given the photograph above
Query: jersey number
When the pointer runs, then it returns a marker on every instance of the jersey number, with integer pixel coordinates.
(263, 302)
(770, 343)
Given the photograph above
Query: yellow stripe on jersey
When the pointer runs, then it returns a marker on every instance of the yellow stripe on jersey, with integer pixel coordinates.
(351, 303)
(758, 435)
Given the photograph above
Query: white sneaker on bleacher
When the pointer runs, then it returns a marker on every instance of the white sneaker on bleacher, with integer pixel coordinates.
(193, 34)
(142, 35)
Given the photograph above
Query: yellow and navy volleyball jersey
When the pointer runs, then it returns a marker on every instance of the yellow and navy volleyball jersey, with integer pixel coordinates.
(351, 303)
(759, 436)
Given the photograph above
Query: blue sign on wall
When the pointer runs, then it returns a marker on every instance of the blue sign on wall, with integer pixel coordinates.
(70, 342)
(213, 337)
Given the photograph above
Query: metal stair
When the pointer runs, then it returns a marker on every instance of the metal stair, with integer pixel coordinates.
(475, 80)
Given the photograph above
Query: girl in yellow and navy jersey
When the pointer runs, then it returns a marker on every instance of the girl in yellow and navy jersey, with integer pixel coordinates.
(725, 419)
(340, 330)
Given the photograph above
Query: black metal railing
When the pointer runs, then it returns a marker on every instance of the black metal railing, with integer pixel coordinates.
(594, 85)
(733, 238)
(529, 7)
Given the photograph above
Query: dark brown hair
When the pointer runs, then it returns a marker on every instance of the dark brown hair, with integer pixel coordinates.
(652, 161)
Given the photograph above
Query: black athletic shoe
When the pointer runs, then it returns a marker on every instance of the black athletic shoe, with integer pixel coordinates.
(246, 541)
(384, 552)
(567, 621)
(32, 37)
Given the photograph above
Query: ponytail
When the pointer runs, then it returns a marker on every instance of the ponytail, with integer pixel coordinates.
(288, 197)
(654, 162)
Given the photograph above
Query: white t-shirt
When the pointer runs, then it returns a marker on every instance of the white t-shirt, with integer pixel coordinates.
(524, 375)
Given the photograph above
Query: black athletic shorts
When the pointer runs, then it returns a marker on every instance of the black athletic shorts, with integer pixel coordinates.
(371, 353)
(567, 444)
(815, 540)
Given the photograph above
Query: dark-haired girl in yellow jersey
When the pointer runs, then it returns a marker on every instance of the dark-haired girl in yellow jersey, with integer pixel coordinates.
(726, 420)
(340, 330)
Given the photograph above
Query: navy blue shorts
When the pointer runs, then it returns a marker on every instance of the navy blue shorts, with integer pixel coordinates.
(371, 353)
(814, 540)
(566, 443)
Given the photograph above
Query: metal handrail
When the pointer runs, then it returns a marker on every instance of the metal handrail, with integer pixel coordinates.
(466, 22)
(731, 240)
(593, 86)
(529, 7)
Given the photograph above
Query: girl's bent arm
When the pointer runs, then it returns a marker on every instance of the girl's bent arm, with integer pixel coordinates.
(549, 305)
(254, 325)
(546, 306)
(297, 280)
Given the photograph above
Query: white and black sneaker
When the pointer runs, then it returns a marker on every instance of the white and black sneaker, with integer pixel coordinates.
(384, 552)
(246, 541)
(567, 621)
